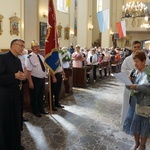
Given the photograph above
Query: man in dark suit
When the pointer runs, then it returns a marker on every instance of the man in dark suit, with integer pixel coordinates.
(11, 78)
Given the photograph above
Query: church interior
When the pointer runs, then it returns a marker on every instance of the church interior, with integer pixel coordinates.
(90, 119)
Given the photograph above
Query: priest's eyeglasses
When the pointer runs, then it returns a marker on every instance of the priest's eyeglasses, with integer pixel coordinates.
(22, 46)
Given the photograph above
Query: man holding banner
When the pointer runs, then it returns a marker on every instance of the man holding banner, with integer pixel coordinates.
(56, 82)
(52, 59)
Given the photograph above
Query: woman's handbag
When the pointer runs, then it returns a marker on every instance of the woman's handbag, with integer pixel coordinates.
(143, 111)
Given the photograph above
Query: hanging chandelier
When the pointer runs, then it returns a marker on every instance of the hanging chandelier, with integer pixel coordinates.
(146, 23)
(134, 9)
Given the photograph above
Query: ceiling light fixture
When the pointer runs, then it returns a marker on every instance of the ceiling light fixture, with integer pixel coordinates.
(134, 9)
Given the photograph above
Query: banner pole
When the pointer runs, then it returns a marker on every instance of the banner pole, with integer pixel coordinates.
(50, 94)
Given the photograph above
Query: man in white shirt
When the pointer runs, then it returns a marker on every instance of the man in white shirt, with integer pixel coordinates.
(36, 76)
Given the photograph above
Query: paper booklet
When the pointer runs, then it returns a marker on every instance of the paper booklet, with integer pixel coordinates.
(123, 77)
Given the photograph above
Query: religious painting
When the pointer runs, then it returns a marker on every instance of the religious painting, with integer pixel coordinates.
(59, 29)
(43, 28)
(127, 41)
(1, 18)
(66, 33)
(14, 25)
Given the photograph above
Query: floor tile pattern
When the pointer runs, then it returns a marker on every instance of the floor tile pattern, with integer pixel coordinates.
(89, 121)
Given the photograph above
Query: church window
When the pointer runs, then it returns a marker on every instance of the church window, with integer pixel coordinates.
(99, 5)
(62, 6)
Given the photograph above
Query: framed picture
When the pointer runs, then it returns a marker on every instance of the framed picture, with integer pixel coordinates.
(1, 20)
(127, 41)
(43, 28)
(59, 29)
(66, 33)
(14, 25)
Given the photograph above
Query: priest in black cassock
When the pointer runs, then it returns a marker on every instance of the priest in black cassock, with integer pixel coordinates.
(11, 77)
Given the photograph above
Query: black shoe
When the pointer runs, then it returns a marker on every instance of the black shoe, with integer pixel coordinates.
(22, 148)
(44, 112)
(37, 114)
(54, 109)
(25, 120)
(59, 106)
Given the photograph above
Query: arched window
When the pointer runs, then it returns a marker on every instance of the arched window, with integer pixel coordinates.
(62, 6)
(99, 5)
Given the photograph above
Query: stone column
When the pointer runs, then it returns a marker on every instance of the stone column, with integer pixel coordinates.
(84, 35)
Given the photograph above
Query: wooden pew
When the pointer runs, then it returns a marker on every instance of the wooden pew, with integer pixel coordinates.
(114, 66)
(27, 102)
(80, 76)
(68, 84)
(104, 69)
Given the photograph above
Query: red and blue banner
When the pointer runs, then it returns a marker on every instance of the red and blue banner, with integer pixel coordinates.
(51, 44)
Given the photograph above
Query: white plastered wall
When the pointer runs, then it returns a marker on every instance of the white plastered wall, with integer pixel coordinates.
(7, 10)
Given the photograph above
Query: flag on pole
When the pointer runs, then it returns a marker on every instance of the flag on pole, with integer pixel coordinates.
(103, 20)
(51, 41)
(68, 3)
(121, 28)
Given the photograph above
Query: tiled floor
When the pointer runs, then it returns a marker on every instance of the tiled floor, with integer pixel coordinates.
(89, 121)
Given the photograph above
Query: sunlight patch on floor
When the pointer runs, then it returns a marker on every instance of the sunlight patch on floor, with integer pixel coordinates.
(36, 131)
(82, 111)
(84, 90)
(64, 123)
(91, 113)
